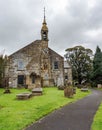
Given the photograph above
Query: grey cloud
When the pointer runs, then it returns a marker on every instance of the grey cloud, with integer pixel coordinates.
(78, 20)
(21, 22)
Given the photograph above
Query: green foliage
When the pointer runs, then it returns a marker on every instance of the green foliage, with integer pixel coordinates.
(97, 67)
(80, 59)
(17, 114)
(97, 123)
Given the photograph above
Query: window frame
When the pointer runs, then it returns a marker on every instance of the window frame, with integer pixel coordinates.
(56, 65)
(20, 65)
(33, 79)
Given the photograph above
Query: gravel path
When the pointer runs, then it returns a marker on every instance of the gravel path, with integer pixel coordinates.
(76, 116)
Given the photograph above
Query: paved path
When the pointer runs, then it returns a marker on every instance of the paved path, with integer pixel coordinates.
(76, 116)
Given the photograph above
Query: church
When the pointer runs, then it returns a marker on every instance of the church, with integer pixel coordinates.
(37, 65)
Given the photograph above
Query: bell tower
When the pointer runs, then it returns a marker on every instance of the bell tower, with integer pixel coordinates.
(44, 29)
(45, 60)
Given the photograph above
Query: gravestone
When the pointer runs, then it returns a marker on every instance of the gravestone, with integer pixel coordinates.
(68, 92)
(6, 85)
(99, 85)
(37, 91)
(23, 96)
(84, 89)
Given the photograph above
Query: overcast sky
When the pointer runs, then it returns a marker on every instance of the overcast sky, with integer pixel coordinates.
(70, 23)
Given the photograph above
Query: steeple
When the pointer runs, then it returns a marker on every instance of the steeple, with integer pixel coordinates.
(44, 29)
(44, 22)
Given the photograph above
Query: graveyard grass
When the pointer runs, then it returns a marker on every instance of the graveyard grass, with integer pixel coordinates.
(97, 123)
(18, 114)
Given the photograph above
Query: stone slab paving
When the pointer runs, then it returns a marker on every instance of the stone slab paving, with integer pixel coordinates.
(76, 116)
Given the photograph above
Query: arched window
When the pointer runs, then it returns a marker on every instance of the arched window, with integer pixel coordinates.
(20, 65)
(44, 35)
(33, 79)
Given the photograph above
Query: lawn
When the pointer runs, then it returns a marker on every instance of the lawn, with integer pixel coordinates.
(97, 123)
(17, 114)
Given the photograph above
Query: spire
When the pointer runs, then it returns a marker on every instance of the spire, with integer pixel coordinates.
(44, 17)
(44, 21)
(44, 29)
(44, 26)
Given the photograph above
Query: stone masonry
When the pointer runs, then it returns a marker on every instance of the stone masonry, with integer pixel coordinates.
(36, 65)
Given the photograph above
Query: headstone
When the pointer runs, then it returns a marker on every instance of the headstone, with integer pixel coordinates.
(37, 91)
(99, 85)
(7, 91)
(84, 89)
(23, 96)
(68, 92)
(61, 87)
(74, 90)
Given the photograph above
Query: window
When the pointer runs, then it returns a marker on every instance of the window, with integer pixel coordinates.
(44, 36)
(21, 79)
(56, 65)
(20, 65)
(33, 79)
(66, 77)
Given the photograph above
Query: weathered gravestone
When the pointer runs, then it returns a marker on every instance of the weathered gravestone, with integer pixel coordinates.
(84, 89)
(37, 91)
(99, 85)
(68, 92)
(74, 90)
(61, 87)
(6, 85)
(23, 96)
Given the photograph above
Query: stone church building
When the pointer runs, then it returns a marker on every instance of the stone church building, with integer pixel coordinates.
(37, 65)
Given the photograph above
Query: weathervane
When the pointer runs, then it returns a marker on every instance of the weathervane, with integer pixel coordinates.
(44, 12)
(44, 17)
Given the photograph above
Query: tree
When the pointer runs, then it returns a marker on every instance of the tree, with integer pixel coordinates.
(81, 61)
(97, 67)
(3, 61)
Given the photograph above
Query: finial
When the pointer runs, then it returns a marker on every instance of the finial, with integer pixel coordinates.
(44, 12)
(44, 16)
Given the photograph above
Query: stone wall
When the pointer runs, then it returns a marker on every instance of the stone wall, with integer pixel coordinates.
(57, 74)
(24, 62)
(39, 60)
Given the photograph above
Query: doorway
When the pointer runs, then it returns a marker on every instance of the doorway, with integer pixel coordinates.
(21, 80)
